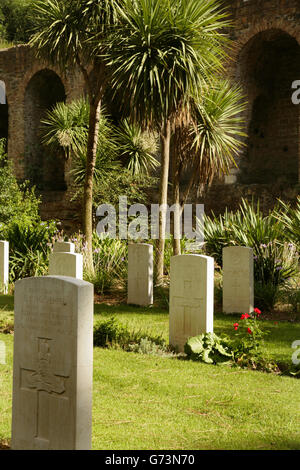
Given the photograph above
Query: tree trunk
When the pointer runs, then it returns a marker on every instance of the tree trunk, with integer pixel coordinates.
(176, 202)
(165, 138)
(89, 176)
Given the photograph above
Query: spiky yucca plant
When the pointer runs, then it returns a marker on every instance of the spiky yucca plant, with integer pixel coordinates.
(136, 148)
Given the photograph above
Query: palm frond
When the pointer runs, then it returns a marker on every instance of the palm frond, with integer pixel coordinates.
(161, 50)
(136, 148)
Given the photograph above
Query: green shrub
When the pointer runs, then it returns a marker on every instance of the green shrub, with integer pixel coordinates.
(208, 348)
(275, 264)
(290, 218)
(275, 260)
(110, 262)
(245, 227)
(147, 346)
(266, 295)
(291, 295)
(17, 201)
(111, 333)
(30, 247)
(16, 20)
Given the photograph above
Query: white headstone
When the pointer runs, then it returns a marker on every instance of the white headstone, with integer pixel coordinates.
(66, 264)
(191, 297)
(53, 364)
(64, 247)
(238, 279)
(4, 266)
(2, 92)
(140, 274)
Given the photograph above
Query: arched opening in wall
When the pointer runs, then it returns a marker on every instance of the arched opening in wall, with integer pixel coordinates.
(3, 113)
(268, 65)
(44, 167)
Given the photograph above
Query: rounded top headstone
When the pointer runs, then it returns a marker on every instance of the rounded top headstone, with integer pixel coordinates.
(64, 247)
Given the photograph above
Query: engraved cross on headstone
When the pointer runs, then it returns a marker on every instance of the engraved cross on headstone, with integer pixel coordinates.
(188, 304)
(45, 384)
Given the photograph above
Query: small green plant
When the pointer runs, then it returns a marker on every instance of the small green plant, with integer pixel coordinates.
(208, 348)
(247, 346)
(147, 346)
(111, 333)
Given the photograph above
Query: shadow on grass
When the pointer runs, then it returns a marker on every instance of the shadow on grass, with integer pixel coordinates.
(103, 309)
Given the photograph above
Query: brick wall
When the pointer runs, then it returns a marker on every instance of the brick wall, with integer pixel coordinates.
(265, 60)
(31, 86)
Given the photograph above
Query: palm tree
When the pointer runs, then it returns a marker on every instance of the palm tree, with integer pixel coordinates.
(207, 143)
(161, 50)
(65, 33)
(65, 128)
(136, 148)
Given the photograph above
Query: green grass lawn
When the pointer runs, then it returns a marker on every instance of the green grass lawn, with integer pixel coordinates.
(148, 402)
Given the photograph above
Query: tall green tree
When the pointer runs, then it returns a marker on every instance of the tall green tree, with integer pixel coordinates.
(72, 33)
(162, 50)
(207, 143)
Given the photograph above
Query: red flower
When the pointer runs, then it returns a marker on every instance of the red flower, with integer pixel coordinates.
(275, 322)
(257, 311)
(249, 331)
(236, 325)
(245, 315)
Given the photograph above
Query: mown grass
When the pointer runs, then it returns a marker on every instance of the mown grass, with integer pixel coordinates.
(148, 402)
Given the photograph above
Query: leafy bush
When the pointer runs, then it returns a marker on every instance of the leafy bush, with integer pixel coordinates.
(17, 201)
(208, 348)
(291, 295)
(30, 247)
(245, 227)
(16, 20)
(275, 260)
(266, 295)
(109, 332)
(147, 346)
(274, 263)
(110, 262)
(290, 218)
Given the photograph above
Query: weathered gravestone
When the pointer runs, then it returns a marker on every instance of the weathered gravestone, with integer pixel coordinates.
(238, 279)
(65, 262)
(64, 247)
(191, 297)
(140, 274)
(53, 364)
(4, 266)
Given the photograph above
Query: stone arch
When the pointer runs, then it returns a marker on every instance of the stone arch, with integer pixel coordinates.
(267, 65)
(44, 167)
(3, 112)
